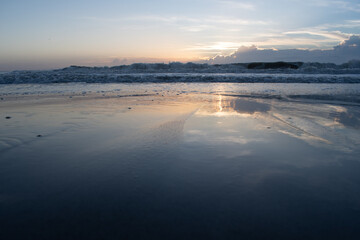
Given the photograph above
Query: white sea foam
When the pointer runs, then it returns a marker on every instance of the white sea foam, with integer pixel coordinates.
(53, 77)
(279, 72)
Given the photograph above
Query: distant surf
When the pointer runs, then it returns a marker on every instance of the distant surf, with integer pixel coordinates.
(259, 72)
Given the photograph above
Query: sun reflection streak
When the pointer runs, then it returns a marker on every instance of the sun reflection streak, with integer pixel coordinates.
(220, 103)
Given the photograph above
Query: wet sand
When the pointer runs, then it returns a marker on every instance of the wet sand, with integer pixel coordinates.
(168, 164)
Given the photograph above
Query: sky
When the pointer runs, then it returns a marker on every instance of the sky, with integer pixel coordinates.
(50, 34)
(345, 52)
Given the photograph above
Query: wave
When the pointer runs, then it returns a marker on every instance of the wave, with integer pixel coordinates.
(262, 72)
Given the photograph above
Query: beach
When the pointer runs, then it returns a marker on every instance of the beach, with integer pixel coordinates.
(179, 161)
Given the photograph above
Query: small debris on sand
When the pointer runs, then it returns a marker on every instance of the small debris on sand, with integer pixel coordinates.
(129, 107)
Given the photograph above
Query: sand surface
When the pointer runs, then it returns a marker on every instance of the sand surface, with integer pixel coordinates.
(153, 161)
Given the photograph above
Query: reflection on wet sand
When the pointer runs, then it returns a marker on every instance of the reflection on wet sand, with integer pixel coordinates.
(223, 105)
(313, 123)
(195, 166)
(348, 117)
(250, 107)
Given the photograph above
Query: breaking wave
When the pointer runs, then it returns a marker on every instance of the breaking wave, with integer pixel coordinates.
(262, 72)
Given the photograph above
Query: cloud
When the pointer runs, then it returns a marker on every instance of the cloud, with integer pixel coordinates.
(344, 52)
(241, 5)
(335, 4)
(318, 33)
(191, 24)
(117, 62)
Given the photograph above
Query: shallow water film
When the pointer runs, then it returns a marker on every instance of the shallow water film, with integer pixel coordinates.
(154, 161)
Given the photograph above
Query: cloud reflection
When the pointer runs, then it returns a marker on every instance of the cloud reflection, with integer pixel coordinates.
(234, 107)
(316, 124)
(349, 118)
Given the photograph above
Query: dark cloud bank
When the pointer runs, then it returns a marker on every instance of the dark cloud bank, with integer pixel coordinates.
(344, 52)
